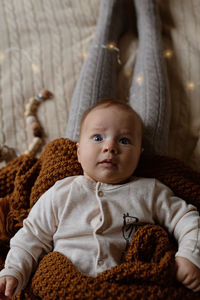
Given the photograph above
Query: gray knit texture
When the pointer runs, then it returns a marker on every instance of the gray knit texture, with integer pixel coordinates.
(98, 76)
(149, 93)
(149, 90)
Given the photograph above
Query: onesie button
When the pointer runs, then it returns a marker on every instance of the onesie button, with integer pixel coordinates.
(100, 262)
(100, 193)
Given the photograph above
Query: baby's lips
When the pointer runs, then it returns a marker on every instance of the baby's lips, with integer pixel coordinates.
(108, 162)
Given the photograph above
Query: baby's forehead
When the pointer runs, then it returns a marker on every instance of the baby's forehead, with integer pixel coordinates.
(112, 109)
(97, 115)
(126, 111)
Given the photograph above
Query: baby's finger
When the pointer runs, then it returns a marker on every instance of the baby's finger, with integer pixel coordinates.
(193, 285)
(180, 276)
(10, 287)
(188, 281)
(197, 289)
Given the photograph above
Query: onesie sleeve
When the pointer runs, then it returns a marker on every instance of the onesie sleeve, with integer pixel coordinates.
(33, 239)
(180, 219)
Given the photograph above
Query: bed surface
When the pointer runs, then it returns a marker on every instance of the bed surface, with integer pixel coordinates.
(44, 43)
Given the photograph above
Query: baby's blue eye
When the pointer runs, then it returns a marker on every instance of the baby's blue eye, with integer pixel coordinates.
(124, 141)
(97, 138)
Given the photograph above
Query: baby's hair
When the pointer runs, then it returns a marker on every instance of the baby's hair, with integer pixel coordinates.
(111, 102)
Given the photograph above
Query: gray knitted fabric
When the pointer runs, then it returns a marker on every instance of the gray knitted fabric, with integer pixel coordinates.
(149, 94)
(98, 75)
(148, 91)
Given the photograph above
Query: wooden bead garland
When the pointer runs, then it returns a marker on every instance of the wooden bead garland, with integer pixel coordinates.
(8, 153)
(34, 124)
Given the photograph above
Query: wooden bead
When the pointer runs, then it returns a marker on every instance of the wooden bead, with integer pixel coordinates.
(30, 119)
(31, 107)
(37, 130)
(45, 94)
(33, 102)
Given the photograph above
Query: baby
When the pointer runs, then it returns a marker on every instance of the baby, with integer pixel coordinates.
(82, 216)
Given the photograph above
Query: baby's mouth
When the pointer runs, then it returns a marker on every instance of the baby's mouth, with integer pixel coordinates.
(108, 163)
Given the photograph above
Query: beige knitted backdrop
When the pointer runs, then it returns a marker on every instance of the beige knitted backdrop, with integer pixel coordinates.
(43, 45)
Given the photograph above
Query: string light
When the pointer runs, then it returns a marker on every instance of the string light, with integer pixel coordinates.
(127, 73)
(139, 79)
(190, 85)
(84, 54)
(35, 68)
(168, 53)
(111, 46)
(1, 56)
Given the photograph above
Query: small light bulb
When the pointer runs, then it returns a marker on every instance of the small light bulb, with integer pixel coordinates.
(127, 73)
(111, 46)
(1, 56)
(190, 85)
(35, 68)
(168, 53)
(139, 79)
(84, 54)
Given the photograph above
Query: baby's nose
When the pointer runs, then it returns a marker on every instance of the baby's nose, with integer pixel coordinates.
(110, 147)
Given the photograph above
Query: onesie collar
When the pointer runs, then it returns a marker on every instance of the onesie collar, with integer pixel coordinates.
(106, 186)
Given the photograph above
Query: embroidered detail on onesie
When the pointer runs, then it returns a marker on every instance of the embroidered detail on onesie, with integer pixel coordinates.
(128, 229)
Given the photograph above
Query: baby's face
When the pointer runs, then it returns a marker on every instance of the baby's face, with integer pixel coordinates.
(110, 145)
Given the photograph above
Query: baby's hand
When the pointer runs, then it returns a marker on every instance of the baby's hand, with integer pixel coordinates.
(8, 285)
(188, 274)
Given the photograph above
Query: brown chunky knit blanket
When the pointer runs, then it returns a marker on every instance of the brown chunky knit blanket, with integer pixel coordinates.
(148, 271)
